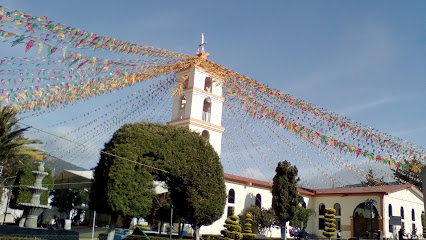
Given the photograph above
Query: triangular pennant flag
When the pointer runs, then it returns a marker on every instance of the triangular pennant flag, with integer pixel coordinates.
(29, 45)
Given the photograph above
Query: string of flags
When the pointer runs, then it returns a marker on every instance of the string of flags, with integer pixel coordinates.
(61, 75)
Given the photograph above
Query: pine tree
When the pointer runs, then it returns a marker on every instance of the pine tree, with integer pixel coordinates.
(232, 228)
(330, 226)
(371, 180)
(248, 233)
(408, 177)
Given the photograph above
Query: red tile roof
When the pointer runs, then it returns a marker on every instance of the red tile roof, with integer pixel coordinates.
(325, 191)
(364, 190)
(247, 181)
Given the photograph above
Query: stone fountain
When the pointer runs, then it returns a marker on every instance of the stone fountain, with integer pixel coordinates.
(34, 207)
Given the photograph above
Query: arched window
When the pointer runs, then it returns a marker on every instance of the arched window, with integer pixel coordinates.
(402, 212)
(205, 134)
(337, 208)
(231, 196)
(208, 84)
(390, 210)
(258, 200)
(207, 109)
(413, 217)
(321, 209)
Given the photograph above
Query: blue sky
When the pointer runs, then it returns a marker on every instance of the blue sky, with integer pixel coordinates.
(362, 59)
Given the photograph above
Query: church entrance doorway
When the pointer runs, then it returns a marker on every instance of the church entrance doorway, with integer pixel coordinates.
(365, 218)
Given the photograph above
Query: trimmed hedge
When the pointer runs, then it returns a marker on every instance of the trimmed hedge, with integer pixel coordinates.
(218, 237)
(232, 229)
(26, 178)
(18, 238)
(248, 233)
(103, 236)
(330, 227)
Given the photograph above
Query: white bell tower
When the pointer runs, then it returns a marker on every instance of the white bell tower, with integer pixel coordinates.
(199, 105)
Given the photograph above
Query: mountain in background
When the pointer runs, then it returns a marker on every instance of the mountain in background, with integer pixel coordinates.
(57, 165)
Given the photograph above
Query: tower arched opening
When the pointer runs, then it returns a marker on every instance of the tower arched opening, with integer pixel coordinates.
(205, 134)
(207, 105)
(208, 84)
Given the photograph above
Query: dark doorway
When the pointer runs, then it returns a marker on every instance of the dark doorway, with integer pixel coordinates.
(366, 219)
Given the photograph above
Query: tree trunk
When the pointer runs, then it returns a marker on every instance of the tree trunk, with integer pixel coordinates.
(111, 229)
(196, 232)
(180, 230)
(161, 229)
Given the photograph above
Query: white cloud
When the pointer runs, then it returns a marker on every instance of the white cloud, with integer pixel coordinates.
(254, 173)
(364, 106)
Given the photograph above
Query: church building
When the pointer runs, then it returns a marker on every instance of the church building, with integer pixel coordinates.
(359, 209)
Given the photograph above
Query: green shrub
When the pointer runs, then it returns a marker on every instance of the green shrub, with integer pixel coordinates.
(212, 237)
(103, 236)
(26, 178)
(248, 233)
(18, 238)
(330, 227)
(232, 228)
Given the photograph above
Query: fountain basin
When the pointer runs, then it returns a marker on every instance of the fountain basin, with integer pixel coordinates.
(34, 210)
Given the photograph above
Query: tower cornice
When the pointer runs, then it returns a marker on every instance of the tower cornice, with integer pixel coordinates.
(204, 92)
(197, 122)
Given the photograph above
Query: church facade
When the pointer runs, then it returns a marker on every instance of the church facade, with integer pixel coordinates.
(359, 209)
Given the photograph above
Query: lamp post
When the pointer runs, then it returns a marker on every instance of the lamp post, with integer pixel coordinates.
(370, 203)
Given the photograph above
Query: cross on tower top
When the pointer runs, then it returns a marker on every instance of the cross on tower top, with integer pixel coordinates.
(201, 52)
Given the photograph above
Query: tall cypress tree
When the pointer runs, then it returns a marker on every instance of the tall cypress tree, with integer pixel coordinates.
(285, 197)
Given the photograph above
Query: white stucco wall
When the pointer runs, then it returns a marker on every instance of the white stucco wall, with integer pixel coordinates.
(195, 96)
(347, 206)
(192, 114)
(409, 199)
(244, 197)
(11, 214)
(215, 137)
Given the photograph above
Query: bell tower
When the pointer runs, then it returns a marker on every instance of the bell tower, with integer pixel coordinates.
(199, 105)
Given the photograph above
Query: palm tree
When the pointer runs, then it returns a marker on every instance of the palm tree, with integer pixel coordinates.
(14, 148)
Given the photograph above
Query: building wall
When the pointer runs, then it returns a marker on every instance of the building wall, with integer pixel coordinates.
(410, 200)
(192, 114)
(347, 206)
(11, 214)
(244, 196)
(215, 137)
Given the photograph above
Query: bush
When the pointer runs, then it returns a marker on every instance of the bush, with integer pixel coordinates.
(142, 237)
(248, 234)
(25, 178)
(212, 237)
(233, 229)
(18, 238)
(330, 227)
(103, 236)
